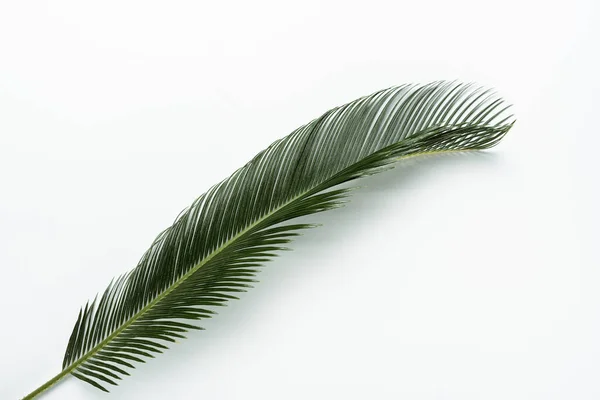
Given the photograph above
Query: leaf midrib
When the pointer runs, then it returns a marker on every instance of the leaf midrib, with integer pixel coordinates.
(193, 270)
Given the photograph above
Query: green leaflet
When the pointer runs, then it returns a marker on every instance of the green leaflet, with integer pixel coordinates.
(215, 247)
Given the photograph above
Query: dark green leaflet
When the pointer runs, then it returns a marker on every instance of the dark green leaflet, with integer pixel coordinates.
(215, 247)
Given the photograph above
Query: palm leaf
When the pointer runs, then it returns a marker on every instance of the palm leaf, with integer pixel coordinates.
(215, 247)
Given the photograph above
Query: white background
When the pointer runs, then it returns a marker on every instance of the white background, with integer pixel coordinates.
(457, 277)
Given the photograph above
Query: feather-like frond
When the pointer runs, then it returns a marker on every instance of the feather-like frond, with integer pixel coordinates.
(215, 247)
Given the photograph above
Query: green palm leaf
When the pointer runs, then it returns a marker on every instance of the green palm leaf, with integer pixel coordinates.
(215, 247)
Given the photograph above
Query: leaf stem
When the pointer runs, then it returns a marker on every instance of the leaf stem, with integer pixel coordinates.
(49, 384)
